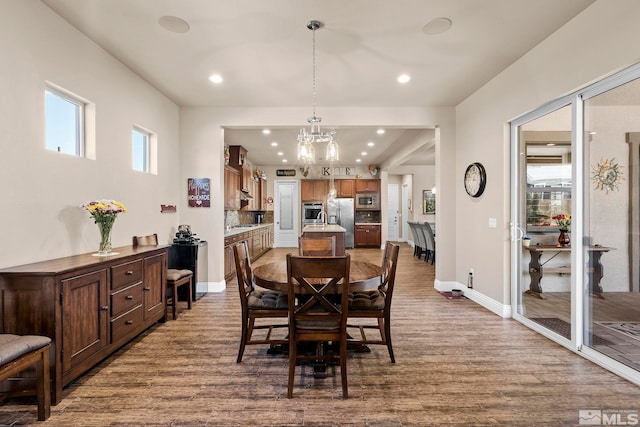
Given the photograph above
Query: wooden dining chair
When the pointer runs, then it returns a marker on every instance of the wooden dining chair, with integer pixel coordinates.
(319, 246)
(318, 317)
(376, 304)
(175, 279)
(256, 303)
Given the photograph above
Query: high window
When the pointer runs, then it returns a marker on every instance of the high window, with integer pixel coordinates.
(140, 140)
(64, 123)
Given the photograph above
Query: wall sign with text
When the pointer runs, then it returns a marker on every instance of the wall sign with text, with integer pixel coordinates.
(199, 192)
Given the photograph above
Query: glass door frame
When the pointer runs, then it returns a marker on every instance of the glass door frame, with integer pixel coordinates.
(579, 291)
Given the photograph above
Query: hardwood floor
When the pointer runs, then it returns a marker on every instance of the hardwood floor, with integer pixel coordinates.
(456, 364)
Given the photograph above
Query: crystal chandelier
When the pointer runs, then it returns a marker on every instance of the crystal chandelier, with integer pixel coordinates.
(306, 139)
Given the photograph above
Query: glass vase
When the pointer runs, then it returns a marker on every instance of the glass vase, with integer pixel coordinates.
(105, 237)
(564, 239)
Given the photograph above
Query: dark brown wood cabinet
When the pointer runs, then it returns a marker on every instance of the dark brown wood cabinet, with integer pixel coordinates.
(259, 241)
(368, 186)
(89, 306)
(367, 235)
(231, 188)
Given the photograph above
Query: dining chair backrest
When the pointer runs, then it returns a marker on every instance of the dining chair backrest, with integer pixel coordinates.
(150, 240)
(389, 265)
(318, 246)
(428, 235)
(257, 304)
(244, 274)
(412, 227)
(319, 316)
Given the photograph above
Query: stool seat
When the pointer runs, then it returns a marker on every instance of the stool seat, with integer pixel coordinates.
(175, 279)
(19, 352)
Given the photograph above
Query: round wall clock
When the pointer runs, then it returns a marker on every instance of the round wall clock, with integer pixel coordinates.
(475, 179)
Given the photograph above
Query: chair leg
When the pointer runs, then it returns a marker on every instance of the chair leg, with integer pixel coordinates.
(43, 386)
(292, 366)
(246, 335)
(343, 367)
(174, 299)
(385, 329)
(190, 293)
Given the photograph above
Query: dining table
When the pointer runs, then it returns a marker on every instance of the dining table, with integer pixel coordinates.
(363, 275)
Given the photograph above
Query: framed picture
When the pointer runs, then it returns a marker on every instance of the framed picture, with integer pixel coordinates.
(428, 202)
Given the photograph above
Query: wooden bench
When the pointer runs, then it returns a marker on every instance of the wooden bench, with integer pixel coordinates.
(19, 352)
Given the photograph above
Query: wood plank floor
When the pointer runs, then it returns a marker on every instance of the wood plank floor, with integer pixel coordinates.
(457, 364)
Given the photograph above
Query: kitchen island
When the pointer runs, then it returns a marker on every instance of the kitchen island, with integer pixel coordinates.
(327, 230)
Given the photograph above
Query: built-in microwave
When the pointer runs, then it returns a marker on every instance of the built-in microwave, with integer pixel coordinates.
(367, 201)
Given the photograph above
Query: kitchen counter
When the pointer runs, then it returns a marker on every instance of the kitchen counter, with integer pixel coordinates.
(244, 228)
(368, 223)
(319, 228)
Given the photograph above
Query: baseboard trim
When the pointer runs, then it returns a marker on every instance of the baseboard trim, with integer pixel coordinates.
(490, 304)
(215, 287)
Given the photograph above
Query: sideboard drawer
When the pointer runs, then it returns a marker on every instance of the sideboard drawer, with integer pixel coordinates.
(127, 324)
(125, 299)
(126, 274)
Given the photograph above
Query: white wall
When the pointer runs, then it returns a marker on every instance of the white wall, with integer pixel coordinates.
(597, 42)
(41, 190)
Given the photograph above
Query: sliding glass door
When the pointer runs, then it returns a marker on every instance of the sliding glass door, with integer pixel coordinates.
(576, 221)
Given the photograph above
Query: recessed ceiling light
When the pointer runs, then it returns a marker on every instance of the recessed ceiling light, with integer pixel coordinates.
(216, 78)
(404, 78)
(437, 26)
(364, 153)
(266, 131)
(174, 24)
(274, 144)
(284, 160)
(371, 144)
(551, 144)
(280, 153)
(358, 160)
(380, 131)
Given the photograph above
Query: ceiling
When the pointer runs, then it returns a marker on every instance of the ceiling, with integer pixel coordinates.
(263, 51)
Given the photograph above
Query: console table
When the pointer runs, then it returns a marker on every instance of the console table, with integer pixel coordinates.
(89, 306)
(537, 268)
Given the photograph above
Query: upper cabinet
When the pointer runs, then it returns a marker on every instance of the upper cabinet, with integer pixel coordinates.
(314, 190)
(345, 187)
(368, 185)
(231, 188)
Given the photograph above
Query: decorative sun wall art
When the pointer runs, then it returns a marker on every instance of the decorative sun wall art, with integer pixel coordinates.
(607, 175)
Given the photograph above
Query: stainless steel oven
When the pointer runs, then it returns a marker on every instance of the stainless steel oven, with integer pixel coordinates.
(367, 201)
(311, 213)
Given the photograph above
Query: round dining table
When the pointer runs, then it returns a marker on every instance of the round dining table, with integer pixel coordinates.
(363, 275)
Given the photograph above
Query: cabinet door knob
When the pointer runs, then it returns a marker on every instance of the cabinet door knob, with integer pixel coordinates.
(147, 288)
(129, 297)
(104, 308)
(129, 273)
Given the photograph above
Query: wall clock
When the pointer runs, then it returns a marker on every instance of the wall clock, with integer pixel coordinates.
(475, 179)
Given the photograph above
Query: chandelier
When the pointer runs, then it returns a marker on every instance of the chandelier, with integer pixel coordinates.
(306, 139)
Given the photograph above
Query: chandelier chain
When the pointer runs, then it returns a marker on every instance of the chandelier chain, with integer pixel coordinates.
(314, 70)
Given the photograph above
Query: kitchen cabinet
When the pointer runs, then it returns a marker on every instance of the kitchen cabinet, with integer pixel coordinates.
(314, 190)
(368, 235)
(231, 188)
(368, 185)
(345, 187)
(89, 306)
(259, 241)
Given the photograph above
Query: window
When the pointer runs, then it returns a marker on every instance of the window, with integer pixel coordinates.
(64, 122)
(141, 150)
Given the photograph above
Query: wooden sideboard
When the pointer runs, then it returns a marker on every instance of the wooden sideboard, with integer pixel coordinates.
(89, 306)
